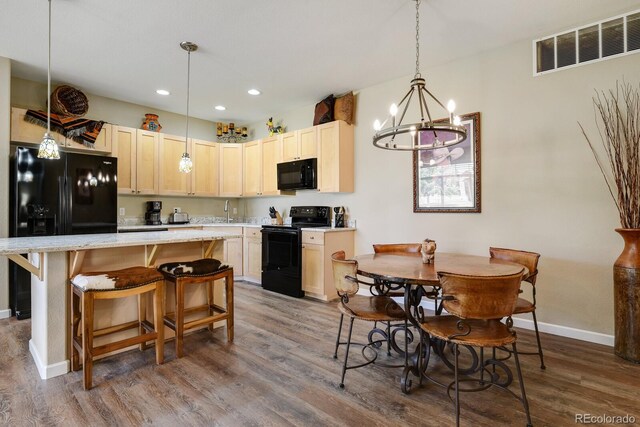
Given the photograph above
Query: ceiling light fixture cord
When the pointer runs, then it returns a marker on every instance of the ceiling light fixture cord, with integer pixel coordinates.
(49, 77)
(188, 90)
(417, 39)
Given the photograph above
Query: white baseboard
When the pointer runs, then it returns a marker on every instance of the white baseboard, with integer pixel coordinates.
(47, 371)
(5, 314)
(549, 328)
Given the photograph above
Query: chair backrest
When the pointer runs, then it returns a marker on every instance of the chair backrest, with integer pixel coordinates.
(528, 259)
(397, 248)
(341, 269)
(477, 297)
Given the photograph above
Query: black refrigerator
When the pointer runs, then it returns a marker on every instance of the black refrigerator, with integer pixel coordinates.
(76, 194)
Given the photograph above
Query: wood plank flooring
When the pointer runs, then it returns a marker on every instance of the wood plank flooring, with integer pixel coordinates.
(280, 371)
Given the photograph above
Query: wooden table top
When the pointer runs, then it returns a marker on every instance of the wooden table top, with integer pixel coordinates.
(409, 268)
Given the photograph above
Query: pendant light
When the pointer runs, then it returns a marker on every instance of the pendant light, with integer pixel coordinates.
(48, 147)
(185, 162)
(445, 133)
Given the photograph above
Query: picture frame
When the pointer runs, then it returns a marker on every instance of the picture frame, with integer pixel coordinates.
(447, 180)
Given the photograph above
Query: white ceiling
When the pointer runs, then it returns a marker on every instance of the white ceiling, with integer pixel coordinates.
(294, 51)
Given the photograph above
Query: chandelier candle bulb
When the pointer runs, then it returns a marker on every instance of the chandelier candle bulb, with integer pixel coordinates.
(376, 125)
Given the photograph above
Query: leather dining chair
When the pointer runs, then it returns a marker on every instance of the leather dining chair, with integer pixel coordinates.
(529, 260)
(375, 308)
(476, 305)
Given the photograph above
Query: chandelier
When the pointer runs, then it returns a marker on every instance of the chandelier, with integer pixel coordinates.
(445, 133)
(231, 133)
(48, 147)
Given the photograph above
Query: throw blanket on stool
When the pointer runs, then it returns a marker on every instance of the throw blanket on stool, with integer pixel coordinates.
(80, 130)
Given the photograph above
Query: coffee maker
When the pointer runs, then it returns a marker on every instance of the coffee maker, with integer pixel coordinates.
(338, 217)
(152, 215)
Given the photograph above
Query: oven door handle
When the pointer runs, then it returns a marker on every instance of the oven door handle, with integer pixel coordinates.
(270, 231)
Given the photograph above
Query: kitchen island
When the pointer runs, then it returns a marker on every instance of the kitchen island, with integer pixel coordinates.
(54, 259)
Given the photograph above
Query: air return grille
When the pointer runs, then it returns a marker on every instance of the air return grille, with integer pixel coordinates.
(606, 39)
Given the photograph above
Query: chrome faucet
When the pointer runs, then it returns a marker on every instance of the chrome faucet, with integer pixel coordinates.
(226, 209)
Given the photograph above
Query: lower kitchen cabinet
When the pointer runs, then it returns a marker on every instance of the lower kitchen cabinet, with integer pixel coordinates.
(232, 250)
(317, 272)
(252, 254)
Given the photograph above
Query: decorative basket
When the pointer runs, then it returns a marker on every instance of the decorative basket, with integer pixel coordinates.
(69, 102)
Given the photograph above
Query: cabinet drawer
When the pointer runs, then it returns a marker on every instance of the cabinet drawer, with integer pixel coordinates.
(233, 230)
(313, 237)
(252, 232)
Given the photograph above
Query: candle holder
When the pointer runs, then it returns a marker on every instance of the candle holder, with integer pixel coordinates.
(231, 133)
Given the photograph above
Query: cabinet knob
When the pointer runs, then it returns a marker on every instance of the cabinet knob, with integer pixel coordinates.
(311, 237)
(133, 191)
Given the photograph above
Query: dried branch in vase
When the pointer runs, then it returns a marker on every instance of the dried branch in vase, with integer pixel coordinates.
(618, 121)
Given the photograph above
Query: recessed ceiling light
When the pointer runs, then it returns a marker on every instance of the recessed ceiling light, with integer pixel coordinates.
(163, 92)
(253, 92)
(220, 107)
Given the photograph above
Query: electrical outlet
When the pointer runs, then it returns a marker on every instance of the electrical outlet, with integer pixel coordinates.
(235, 211)
(121, 211)
(177, 210)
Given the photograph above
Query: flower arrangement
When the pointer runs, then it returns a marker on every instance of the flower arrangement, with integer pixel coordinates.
(618, 121)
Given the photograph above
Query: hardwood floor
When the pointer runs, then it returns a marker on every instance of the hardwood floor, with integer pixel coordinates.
(280, 371)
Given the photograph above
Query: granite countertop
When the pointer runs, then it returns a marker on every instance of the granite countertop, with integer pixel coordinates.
(190, 225)
(21, 245)
(328, 229)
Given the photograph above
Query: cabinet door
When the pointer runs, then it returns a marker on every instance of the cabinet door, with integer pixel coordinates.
(171, 181)
(204, 177)
(147, 162)
(231, 170)
(335, 157)
(124, 148)
(252, 168)
(233, 255)
(103, 143)
(307, 143)
(253, 259)
(289, 146)
(29, 133)
(271, 156)
(313, 268)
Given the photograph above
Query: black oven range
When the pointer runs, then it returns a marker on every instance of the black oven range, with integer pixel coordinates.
(282, 249)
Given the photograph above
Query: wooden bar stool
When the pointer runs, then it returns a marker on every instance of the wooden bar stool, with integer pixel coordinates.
(206, 271)
(88, 287)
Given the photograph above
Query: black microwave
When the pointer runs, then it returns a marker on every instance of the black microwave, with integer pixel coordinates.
(298, 175)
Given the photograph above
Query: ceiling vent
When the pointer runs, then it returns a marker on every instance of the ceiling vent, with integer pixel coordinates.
(609, 38)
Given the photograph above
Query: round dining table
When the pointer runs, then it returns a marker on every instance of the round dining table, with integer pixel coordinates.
(395, 271)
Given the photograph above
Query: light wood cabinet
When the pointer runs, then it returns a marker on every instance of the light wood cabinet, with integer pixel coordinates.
(124, 148)
(230, 170)
(317, 271)
(206, 159)
(271, 156)
(233, 250)
(252, 168)
(171, 181)
(147, 151)
(299, 144)
(30, 133)
(335, 157)
(252, 254)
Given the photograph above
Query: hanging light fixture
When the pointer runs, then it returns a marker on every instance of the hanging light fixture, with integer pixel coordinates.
(48, 147)
(445, 133)
(185, 162)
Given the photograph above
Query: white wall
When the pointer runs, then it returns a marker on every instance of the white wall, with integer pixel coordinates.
(541, 188)
(5, 120)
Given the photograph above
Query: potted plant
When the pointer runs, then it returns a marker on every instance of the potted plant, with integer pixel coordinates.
(618, 122)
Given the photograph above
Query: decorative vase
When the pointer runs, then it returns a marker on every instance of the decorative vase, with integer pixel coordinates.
(428, 251)
(151, 123)
(626, 297)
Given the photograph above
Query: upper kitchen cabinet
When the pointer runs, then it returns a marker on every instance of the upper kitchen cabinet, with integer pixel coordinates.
(299, 144)
(231, 170)
(271, 156)
(171, 181)
(29, 133)
(252, 169)
(205, 156)
(335, 157)
(137, 153)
